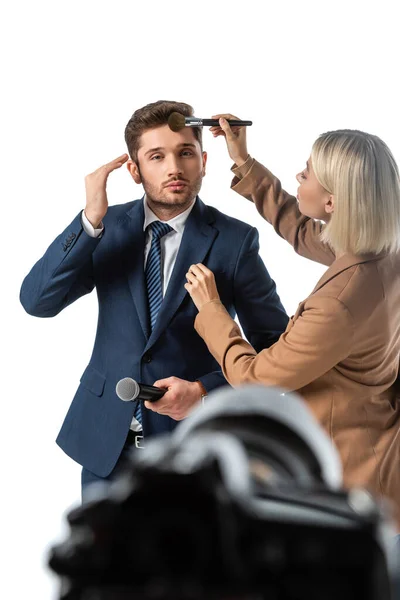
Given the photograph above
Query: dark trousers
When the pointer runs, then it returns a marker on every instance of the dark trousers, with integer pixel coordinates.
(87, 478)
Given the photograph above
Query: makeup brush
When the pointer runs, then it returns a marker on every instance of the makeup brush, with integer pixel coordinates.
(177, 121)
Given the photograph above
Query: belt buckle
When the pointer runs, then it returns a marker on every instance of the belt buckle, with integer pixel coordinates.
(138, 443)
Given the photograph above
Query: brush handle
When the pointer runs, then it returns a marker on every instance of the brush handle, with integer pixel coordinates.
(232, 122)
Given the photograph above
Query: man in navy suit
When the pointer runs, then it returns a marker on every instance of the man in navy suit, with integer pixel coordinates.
(108, 248)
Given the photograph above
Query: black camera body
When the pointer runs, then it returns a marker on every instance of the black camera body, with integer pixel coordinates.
(235, 504)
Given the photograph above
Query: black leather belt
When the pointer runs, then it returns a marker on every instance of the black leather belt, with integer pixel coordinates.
(135, 439)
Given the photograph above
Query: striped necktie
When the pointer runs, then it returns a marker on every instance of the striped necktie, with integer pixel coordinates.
(153, 273)
(154, 280)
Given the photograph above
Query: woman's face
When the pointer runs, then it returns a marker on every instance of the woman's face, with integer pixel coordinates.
(314, 200)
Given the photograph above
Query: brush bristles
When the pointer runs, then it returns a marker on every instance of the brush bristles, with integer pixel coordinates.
(176, 121)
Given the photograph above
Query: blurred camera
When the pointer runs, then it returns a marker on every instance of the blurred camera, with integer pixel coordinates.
(242, 501)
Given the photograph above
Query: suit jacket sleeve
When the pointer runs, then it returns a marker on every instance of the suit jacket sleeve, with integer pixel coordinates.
(256, 183)
(256, 301)
(317, 341)
(62, 275)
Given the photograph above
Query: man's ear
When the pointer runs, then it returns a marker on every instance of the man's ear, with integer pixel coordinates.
(204, 163)
(330, 204)
(134, 171)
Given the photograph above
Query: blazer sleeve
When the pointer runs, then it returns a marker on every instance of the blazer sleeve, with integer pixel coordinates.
(256, 183)
(318, 340)
(62, 275)
(257, 304)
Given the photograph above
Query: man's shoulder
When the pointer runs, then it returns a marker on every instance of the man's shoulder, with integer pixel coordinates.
(223, 220)
(117, 212)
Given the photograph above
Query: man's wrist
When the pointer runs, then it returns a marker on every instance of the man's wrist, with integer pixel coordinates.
(94, 220)
(203, 391)
(89, 229)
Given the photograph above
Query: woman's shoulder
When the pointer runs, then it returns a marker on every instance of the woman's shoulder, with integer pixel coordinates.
(361, 284)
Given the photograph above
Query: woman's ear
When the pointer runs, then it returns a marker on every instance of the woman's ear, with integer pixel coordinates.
(330, 204)
(134, 171)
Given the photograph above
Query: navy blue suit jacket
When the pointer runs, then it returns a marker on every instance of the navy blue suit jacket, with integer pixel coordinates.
(97, 423)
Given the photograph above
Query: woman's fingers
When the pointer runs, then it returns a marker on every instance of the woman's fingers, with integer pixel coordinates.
(199, 271)
(204, 269)
(201, 285)
(235, 137)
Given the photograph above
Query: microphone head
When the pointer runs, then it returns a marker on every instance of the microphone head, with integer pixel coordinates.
(176, 121)
(127, 389)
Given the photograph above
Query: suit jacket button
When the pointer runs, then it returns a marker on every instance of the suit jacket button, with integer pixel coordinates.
(147, 358)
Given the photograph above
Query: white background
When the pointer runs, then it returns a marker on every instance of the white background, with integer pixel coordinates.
(72, 73)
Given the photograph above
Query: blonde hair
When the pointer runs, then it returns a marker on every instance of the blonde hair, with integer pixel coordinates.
(361, 173)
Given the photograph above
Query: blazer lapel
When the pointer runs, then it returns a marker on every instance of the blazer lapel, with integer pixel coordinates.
(132, 241)
(197, 239)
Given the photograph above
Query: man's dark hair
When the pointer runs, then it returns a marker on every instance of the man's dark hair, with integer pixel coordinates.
(154, 115)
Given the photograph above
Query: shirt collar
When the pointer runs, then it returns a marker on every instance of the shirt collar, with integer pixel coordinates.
(177, 223)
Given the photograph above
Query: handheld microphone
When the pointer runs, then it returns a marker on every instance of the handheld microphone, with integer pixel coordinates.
(128, 389)
(177, 122)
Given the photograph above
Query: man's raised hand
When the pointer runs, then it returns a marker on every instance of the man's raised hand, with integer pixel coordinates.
(96, 195)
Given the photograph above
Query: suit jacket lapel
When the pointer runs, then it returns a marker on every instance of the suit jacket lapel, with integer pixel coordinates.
(132, 241)
(196, 242)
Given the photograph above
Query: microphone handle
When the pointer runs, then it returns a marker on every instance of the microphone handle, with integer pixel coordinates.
(232, 122)
(150, 392)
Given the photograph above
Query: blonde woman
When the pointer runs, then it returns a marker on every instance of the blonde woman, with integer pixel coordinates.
(341, 349)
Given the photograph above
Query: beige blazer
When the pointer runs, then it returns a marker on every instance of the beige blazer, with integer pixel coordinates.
(341, 348)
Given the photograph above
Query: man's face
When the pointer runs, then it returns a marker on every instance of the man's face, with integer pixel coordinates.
(171, 167)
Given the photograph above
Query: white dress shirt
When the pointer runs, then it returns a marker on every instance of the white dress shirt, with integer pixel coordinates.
(170, 244)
